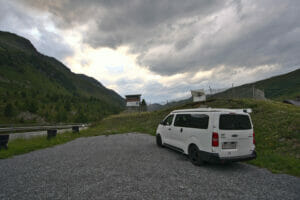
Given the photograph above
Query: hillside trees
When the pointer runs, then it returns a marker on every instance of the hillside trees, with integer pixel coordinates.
(9, 110)
(143, 105)
(53, 108)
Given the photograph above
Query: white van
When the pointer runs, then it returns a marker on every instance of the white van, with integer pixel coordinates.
(209, 134)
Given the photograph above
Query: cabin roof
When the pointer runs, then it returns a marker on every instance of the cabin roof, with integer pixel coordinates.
(197, 92)
(133, 95)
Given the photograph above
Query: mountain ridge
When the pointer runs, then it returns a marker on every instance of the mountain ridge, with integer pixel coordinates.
(280, 87)
(24, 70)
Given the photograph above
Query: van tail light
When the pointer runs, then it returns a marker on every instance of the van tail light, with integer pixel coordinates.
(215, 139)
(254, 138)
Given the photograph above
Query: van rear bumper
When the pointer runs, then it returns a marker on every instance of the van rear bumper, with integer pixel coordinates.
(214, 157)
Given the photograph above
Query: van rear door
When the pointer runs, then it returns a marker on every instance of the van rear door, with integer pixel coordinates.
(235, 135)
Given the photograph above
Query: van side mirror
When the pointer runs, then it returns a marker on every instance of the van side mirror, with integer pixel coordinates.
(164, 123)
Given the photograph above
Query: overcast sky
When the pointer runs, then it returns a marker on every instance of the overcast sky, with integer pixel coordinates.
(162, 48)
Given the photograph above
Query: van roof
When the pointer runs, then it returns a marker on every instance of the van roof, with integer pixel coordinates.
(242, 110)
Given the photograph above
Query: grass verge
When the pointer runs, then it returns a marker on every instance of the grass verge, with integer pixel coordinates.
(21, 146)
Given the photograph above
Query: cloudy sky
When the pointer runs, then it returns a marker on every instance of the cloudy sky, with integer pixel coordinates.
(162, 48)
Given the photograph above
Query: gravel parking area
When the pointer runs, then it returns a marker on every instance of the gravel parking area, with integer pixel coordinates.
(131, 166)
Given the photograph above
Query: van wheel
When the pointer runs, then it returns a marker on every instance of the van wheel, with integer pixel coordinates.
(194, 155)
(158, 141)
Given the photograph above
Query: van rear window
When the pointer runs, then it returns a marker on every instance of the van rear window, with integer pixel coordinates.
(234, 122)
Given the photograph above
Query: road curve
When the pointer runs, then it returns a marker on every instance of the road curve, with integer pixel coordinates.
(130, 166)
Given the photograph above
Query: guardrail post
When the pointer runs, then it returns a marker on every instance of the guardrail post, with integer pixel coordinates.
(51, 133)
(3, 141)
(75, 129)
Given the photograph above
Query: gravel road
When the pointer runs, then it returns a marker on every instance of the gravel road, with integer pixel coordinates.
(131, 166)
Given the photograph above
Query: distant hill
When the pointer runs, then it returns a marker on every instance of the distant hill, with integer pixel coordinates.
(154, 106)
(286, 86)
(38, 88)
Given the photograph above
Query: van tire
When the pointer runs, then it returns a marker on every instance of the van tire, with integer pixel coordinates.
(159, 141)
(194, 155)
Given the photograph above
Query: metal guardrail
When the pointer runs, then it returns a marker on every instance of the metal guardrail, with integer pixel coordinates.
(7, 133)
(38, 128)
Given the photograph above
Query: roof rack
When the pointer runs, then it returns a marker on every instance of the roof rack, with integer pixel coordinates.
(242, 110)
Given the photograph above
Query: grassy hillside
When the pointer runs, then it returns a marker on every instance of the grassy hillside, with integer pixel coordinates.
(37, 88)
(286, 86)
(277, 129)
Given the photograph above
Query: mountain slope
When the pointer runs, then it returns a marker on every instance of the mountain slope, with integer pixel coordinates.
(286, 86)
(35, 87)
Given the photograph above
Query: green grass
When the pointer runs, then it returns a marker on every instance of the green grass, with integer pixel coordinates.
(21, 146)
(277, 129)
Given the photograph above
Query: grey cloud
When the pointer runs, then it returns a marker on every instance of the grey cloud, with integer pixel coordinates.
(163, 93)
(144, 23)
(270, 39)
(14, 18)
(53, 45)
(173, 37)
(129, 86)
(139, 23)
(128, 82)
(266, 32)
(152, 90)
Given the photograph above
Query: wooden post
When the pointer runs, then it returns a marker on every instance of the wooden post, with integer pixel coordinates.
(75, 129)
(51, 133)
(3, 141)
(232, 92)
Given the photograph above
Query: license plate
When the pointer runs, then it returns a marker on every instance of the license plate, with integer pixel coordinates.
(229, 145)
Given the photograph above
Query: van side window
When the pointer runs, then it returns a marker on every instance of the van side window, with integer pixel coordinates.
(182, 120)
(234, 122)
(192, 121)
(168, 121)
(199, 121)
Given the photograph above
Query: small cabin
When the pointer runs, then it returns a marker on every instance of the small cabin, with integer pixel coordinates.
(133, 100)
(198, 95)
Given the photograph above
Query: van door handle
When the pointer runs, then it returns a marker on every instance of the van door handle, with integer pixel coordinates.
(169, 129)
(181, 130)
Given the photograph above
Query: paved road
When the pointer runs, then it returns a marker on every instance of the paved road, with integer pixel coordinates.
(130, 166)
